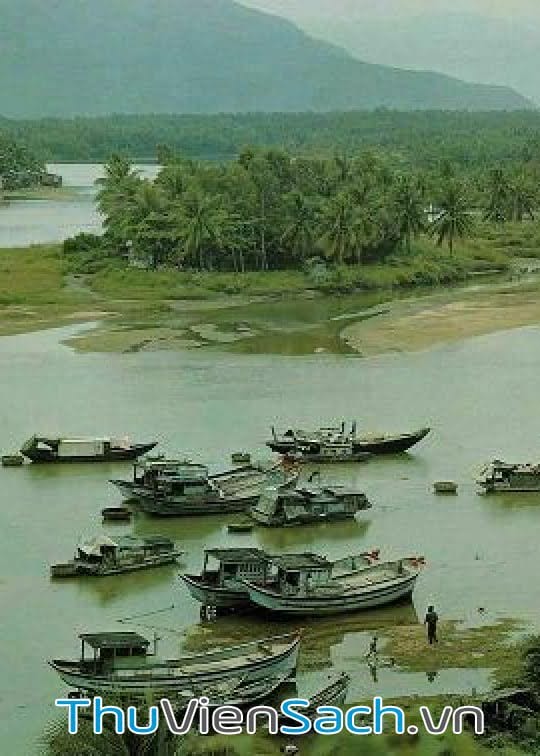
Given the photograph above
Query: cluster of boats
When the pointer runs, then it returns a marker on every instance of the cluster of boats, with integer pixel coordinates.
(122, 664)
(232, 579)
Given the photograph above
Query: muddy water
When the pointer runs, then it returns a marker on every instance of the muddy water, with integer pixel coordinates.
(480, 397)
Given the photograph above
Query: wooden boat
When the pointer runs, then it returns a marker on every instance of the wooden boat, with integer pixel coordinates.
(104, 556)
(445, 487)
(12, 460)
(310, 442)
(241, 458)
(307, 584)
(240, 527)
(219, 584)
(54, 449)
(121, 664)
(504, 477)
(235, 691)
(293, 504)
(174, 489)
(116, 514)
(334, 693)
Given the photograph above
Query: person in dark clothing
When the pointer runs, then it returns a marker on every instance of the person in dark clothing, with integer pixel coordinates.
(431, 620)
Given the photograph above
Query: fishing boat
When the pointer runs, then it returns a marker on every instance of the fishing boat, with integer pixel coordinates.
(502, 476)
(445, 487)
(294, 504)
(329, 451)
(219, 584)
(104, 556)
(174, 489)
(236, 691)
(12, 460)
(120, 663)
(333, 693)
(311, 442)
(55, 449)
(308, 584)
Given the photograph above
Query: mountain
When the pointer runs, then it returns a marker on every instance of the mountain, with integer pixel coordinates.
(68, 57)
(468, 41)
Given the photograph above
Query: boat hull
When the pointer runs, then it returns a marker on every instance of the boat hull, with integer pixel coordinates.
(164, 680)
(318, 606)
(221, 598)
(160, 506)
(42, 456)
(383, 445)
(82, 569)
(262, 518)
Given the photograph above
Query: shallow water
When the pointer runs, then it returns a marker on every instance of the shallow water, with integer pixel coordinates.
(24, 222)
(480, 397)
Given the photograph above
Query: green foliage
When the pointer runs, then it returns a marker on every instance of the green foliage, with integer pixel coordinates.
(19, 166)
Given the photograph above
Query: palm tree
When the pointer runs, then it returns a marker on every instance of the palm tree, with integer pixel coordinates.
(522, 198)
(299, 231)
(339, 229)
(497, 205)
(454, 220)
(203, 225)
(116, 193)
(409, 210)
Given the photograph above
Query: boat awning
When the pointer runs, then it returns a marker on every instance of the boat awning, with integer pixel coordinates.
(301, 561)
(94, 545)
(99, 641)
(237, 555)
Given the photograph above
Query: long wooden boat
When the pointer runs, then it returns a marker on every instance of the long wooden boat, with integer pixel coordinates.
(334, 693)
(294, 504)
(312, 442)
(236, 691)
(121, 664)
(506, 477)
(54, 449)
(219, 584)
(104, 556)
(169, 488)
(313, 586)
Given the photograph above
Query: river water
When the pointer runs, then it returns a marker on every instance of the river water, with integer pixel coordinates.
(24, 222)
(480, 397)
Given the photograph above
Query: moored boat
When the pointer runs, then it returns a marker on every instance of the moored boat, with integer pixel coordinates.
(333, 693)
(116, 514)
(506, 477)
(174, 489)
(121, 664)
(219, 584)
(104, 556)
(57, 449)
(12, 460)
(294, 504)
(308, 584)
(298, 442)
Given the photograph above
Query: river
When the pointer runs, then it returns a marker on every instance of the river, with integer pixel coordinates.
(39, 221)
(479, 396)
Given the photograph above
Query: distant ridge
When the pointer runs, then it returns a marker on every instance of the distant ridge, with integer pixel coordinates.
(65, 58)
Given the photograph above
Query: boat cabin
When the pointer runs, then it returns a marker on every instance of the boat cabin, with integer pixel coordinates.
(223, 566)
(102, 550)
(297, 574)
(112, 650)
(150, 472)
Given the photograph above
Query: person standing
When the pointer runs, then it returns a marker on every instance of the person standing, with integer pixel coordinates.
(430, 621)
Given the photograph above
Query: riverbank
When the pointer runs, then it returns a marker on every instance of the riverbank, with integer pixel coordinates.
(485, 286)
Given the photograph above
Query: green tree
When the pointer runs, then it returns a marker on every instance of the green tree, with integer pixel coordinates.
(454, 220)
(202, 225)
(409, 211)
(299, 235)
(498, 194)
(339, 229)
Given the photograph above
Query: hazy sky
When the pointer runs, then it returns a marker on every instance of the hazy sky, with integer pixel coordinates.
(313, 8)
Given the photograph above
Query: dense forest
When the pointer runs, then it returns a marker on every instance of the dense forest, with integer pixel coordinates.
(19, 166)
(271, 210)
(471, 140)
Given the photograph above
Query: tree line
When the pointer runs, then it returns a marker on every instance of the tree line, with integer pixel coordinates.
(272, 210)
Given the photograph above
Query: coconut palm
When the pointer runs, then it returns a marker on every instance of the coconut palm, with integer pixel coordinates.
(454, 219)
(522, 198)
(409, 211)
(202, 224)
(339, 229)
(498, 197)
(299, 232)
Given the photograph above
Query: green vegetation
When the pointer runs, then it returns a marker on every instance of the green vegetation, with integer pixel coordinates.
(19, 166)
(471, 141)
(345, 222)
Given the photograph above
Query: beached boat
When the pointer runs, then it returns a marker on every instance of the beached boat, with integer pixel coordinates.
(104, 556)
(120, 664)
(311, 442)
(174, 489)
(294, 504)
(55, 449)
(504, 477)
(219, 584)
(308, 584)
(333, 693)
(235, 691)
